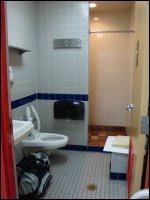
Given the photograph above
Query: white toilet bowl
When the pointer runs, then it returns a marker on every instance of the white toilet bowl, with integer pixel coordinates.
(45, 141)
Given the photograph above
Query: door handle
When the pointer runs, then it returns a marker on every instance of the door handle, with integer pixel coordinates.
(130, 107)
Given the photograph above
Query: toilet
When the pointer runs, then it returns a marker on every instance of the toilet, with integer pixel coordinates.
(41, 141)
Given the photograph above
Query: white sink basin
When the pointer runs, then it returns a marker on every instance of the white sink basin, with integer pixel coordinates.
(21, 129)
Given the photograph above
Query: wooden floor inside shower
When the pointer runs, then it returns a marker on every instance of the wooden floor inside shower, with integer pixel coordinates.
(98, 134)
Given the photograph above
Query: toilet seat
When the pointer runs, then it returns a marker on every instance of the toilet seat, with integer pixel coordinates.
(44, 140)
(29, 118)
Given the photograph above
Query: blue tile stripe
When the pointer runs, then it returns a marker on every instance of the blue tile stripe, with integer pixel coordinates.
(53, 96)
(48, 96)
(20, 102)
(84, 148)
(117, 176)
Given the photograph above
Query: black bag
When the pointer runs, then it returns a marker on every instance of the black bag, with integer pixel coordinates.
(33, 174)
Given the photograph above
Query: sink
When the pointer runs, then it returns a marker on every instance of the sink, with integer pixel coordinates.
(21, 129)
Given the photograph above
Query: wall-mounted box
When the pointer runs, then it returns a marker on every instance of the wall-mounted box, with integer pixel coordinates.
(67, 109)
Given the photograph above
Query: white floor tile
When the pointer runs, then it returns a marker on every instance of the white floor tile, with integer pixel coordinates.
(72, 171)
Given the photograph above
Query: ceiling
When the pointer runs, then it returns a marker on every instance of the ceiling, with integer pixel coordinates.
(111, 5)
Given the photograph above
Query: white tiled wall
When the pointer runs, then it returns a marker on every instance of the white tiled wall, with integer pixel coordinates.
(21, 24)
(62, 70)
(110, 69)
(34, 25)
(21, 18)
(119, 163)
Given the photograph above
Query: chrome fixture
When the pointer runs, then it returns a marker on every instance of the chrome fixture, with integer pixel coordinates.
(130, 107)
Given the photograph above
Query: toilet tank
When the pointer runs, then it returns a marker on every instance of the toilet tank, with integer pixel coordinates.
(67, 109)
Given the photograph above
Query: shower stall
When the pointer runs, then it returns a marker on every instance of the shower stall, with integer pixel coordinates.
(110, 69)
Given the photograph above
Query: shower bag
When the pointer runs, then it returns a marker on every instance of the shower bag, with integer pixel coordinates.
(34, 176)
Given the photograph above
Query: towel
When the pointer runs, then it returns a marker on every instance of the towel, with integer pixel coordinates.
(121, 141)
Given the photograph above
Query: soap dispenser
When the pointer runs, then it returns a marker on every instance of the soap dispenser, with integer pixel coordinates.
(11, 79)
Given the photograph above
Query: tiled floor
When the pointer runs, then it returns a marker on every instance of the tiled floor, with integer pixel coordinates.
(98, 137)
(72, 171)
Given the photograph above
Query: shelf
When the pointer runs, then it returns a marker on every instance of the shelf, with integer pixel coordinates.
(112, 31)
(20, 50)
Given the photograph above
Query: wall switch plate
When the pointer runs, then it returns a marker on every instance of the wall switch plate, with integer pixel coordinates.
(144, 125)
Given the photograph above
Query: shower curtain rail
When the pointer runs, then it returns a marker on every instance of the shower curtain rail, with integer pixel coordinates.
(113, 31)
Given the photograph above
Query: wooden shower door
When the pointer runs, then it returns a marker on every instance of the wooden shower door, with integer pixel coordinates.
(140, 93)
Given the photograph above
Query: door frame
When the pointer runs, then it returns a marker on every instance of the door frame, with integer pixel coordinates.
(8, 170)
